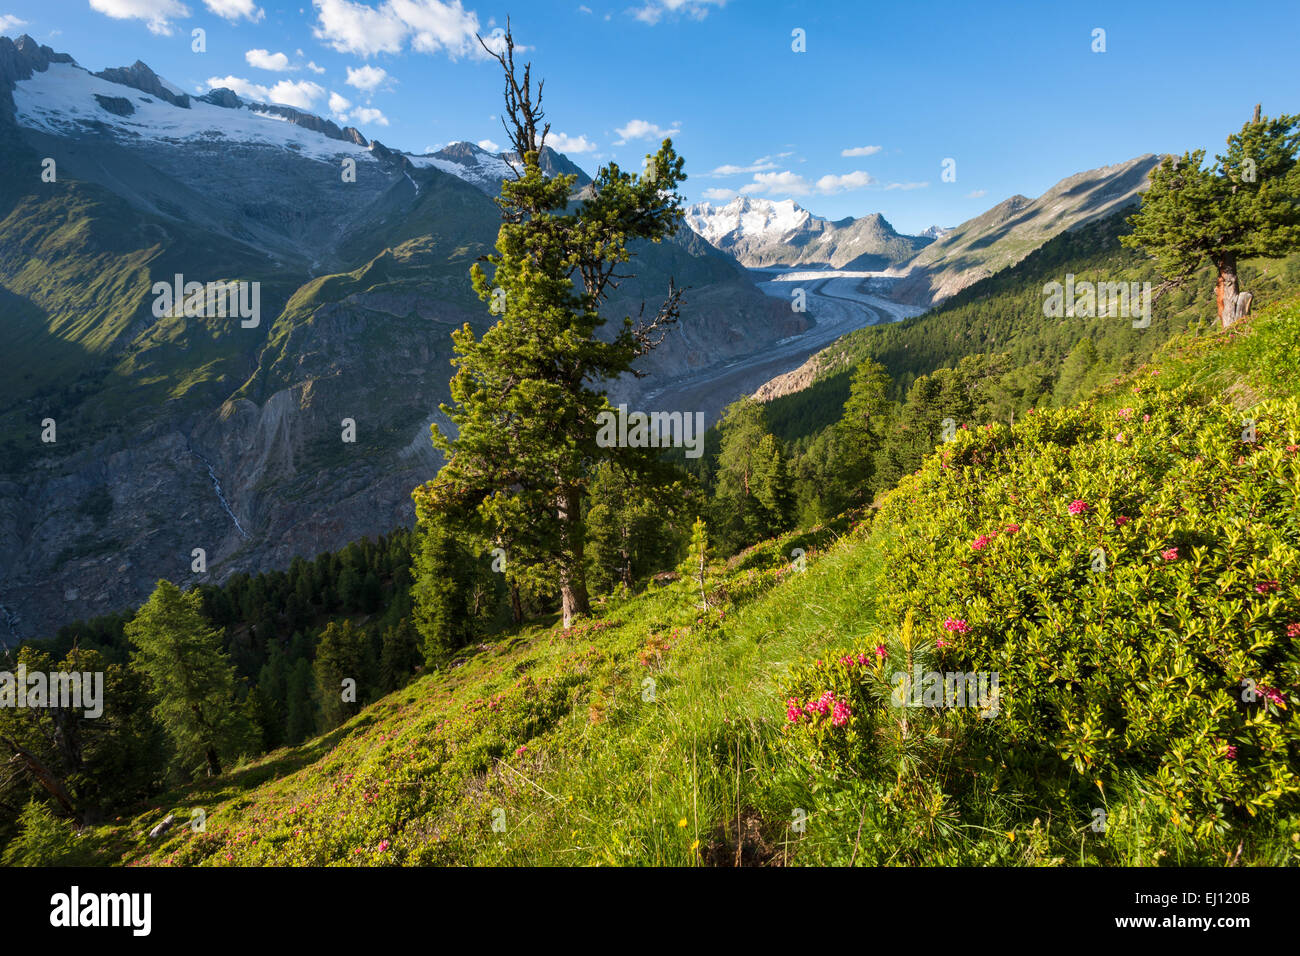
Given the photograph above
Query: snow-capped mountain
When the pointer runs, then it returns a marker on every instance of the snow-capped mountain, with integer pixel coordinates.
(137, 108)
(764, 232)
(935, 232)
(197, 430)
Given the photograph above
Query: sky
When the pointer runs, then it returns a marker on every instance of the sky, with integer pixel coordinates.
(849, 108)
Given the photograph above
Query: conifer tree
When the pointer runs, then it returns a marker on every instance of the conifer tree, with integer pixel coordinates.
(189, 674)
(340, 657)
(1247, 203)
(526, 394)
(694, 569)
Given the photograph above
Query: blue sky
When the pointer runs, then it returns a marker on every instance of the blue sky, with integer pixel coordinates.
(1013, 92)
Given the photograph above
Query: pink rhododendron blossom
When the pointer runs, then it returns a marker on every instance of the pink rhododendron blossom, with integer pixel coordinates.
(1078, 506)
(841, 714)
(1170, 554)
(979, 543)
(959, 626)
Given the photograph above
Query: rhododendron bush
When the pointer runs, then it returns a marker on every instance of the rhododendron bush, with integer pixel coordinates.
(1138, 599)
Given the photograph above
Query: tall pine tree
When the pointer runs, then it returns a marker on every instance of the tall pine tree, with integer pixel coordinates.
(526, 395)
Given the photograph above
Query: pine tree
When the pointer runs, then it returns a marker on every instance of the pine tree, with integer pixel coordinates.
(189, 675)
(694, 569)
(399, 656)
(862, 428)
(525, 395)
(444, 581)
(1247, 203)
(300, 704)
(341, 657)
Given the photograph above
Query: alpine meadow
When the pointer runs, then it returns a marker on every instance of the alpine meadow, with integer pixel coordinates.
(574, 495)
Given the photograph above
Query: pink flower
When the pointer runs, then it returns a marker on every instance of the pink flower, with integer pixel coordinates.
(979, 543)
(1126, 413)
(862, 658)
(1078, 506)
(881, 652)
(1266, 587)
(520, 750)
(792, 711)
(960, 627)
(940, 642)
(1146, 418)
(841, 715)
(1122, 520)
(1012, 528)
(1230, 752)
(1119, 437)
(1293, 630)
(383, 845)
(1170, 555)
(847, 660)
(1272, 696)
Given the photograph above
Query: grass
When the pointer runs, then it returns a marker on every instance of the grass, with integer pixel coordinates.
(654, 733)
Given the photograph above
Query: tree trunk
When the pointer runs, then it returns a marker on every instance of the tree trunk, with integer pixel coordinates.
(1232, 304)
(516, 606)
(44, 776)
(214, 762)
(573, 578)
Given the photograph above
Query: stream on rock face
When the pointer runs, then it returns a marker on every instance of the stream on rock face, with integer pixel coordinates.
(216, 485)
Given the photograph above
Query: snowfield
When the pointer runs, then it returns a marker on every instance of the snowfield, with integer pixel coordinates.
(62, 101)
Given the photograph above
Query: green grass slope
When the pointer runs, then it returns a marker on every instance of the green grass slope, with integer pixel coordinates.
(658, 732)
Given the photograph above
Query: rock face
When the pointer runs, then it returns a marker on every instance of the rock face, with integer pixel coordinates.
(174, 432)
(138, 76)
(760, 233)
(1016, 227)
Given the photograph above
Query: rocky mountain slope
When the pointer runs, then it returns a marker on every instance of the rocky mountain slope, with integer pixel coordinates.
(176, 432)
(761, 232)
(1016, 227)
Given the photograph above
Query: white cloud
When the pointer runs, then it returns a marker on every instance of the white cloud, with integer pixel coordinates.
(301, 94)
(341, 109)
(265, 60)
(758, 166)
(314, 68)
(656, 10)
(836, 184)
(490, 146)
(562, 142)
(787, 182)
(370, 117)
(977, 193)
(907, 186)
(158, 14)
(233, 10)
(10, 22)
(640, 129)
(245, 88)
(339, 106)
(584, 9)
(720, 195)
(366, 78)
(860, 151)
(429, 26)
